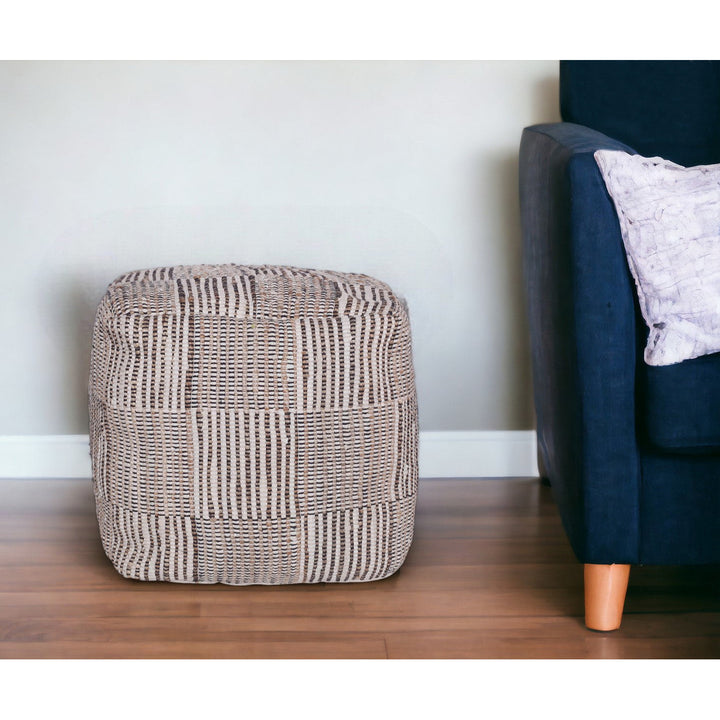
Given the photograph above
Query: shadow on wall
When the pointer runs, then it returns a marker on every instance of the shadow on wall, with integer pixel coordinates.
(73, 298)
(504, 254)
(546, 100)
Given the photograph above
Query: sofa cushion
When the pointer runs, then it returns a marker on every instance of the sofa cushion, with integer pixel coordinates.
(679, 405)
(669, 108)
(670, 223)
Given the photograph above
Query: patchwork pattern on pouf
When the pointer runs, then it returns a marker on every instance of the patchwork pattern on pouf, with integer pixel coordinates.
(253, 425)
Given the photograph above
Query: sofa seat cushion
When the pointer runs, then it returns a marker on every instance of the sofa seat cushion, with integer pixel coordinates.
(680, 405)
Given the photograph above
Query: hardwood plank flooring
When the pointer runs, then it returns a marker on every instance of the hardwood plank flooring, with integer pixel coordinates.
(490, 575)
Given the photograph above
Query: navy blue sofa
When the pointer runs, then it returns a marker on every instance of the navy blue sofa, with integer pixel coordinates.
(632, 452)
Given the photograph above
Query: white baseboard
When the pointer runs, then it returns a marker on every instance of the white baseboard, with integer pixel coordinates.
(482, 453)
(44, 456)
(505, 453)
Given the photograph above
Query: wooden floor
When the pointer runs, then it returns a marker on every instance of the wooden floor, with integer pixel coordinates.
(490, 575)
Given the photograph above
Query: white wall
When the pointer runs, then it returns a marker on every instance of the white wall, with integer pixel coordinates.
(402, 170)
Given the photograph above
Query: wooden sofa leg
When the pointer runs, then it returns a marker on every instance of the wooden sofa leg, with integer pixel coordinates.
(605, 588)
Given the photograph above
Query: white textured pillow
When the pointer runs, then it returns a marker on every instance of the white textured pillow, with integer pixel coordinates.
(670, 223)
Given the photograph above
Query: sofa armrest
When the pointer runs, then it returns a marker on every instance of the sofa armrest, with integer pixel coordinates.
(582, 315)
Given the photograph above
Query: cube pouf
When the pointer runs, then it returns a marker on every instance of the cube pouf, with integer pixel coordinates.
(253, 425)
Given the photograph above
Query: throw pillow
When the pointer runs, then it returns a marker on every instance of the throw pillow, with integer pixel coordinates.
(670, 223)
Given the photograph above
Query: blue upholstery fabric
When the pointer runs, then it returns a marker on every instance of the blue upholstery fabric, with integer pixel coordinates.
(679, 405)
(680, 509)
(669, 108)
(583, 335)
(632, 452)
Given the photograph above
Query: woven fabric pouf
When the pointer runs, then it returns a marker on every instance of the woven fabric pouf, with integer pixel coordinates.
(253, 425)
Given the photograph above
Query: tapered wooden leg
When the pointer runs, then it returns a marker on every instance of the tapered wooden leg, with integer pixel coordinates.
(605, 588)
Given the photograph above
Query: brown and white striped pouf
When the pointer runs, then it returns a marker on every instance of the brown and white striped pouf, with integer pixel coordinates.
(253, 425)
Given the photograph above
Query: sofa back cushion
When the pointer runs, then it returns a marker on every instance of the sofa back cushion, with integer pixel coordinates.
(669, 108)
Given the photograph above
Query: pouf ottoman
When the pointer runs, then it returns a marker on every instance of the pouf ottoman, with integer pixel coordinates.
(253, 425)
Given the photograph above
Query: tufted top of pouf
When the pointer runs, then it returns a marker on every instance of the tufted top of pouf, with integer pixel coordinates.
(250, 336)
(250, 291)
